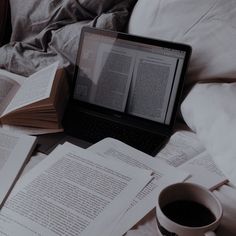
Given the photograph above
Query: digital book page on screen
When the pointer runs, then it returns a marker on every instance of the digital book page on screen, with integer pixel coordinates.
(132, 77)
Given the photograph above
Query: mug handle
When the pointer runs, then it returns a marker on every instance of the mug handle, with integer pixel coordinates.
(210, 233)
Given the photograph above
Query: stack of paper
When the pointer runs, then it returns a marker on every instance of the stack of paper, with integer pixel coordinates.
(145, 201)
(101, 191)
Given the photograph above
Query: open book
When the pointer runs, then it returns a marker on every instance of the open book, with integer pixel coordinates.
(15, 150)
(37, 101)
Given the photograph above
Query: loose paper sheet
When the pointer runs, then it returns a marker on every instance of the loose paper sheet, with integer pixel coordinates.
(186, 152)
(15, 150)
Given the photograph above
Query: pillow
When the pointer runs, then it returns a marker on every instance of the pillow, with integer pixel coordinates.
(210, 110)
(207, 25)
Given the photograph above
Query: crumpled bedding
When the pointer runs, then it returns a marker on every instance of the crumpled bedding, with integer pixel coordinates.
(48, 30)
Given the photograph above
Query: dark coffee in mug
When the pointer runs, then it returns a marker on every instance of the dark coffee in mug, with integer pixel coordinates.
(188, 213)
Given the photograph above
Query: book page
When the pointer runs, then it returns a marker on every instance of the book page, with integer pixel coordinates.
(9, 85)
(145, 201)
(110, 82)
(19, 79)
(15, 149)
(35, 88)
(114, 67)
(6, 85)
(182, 146)
(185, 151)
(72, 192)
(153, 76)
(204, 171)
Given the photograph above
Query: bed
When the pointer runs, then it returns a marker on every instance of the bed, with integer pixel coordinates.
(44, 31)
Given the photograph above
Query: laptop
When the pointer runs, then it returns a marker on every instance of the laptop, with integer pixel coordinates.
(126, 87)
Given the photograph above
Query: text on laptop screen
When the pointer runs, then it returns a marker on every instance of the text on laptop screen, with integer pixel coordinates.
(136, 78)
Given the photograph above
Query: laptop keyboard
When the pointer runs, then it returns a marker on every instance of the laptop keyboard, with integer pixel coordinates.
(95, 129)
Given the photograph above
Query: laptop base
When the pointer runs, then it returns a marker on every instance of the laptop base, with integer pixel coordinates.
(94, 129)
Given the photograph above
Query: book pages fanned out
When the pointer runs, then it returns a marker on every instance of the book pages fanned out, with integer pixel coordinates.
(35, 103)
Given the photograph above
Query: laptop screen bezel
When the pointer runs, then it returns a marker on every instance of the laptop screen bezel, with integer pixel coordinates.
(124, 117)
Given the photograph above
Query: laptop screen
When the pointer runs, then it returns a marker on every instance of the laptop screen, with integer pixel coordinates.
(128, 74)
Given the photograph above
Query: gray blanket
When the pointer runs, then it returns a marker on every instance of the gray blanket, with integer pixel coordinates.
(48, 30)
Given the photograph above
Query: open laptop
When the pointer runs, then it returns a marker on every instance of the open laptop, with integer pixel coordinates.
(126, 87)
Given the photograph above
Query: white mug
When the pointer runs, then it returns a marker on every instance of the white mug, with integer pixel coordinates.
(174, 217)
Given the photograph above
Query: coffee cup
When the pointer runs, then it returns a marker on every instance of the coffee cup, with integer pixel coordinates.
(187, 209)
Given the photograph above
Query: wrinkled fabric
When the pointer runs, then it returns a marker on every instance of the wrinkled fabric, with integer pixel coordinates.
(45, 31)
(207, 25)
